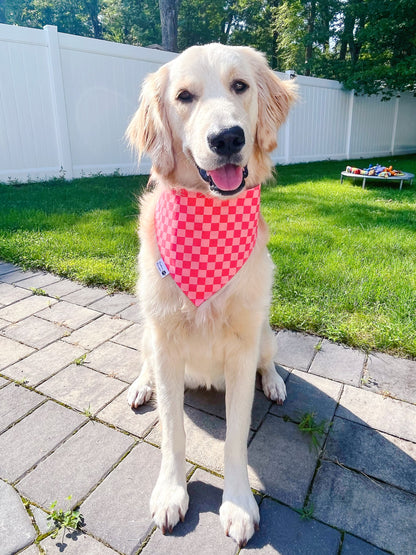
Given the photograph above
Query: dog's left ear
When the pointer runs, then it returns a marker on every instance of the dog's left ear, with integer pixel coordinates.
(149, 131)
(275, 98)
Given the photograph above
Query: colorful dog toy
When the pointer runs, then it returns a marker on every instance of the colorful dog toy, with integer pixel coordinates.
(376, 171)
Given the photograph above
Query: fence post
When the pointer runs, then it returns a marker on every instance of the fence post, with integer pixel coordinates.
(290, 73)
(394, 128)
(349, 124)
(58, 101)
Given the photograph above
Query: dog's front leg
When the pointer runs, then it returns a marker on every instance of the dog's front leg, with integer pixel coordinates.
(169, 500)
(239, 512)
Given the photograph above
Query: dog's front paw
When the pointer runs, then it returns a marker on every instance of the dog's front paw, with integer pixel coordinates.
(274, 387)
(168, 505)
(240, 519)
(139, 393)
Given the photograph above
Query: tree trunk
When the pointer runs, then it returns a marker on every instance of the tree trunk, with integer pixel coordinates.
(169, 10)
(309, 44)
(347, 35)
(92, 8)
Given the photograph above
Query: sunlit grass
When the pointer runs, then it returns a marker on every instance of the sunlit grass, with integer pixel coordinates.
(345, 256)
(84, 230)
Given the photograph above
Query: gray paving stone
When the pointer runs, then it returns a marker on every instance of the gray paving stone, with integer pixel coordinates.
(205, 436)
(113, 304)
(86, 295)
(281, 461)
(116, 360)
(117, 512)
(6, 268)
(26, 307)
(11, 351)
(283, 531)
(10, 294)
(387, 374)
(82, 388)
(68, 315)
(213, 402)
(44, 363)
(33, 437)
(131, 337)
(35, 332)
(132, 313)
(3, 323)
(382, 456)
(61, 288)
(201, 531)
(75, 467)
(136, 421)
(96, 332)
(39, 281)
(377, 513)
(382, 413)
(338, 363)
(295, 349)
(16, 530)
(355, 546)
(15, 402)
(41, 519)
(75, 544)
(309, 394)
(16, 276)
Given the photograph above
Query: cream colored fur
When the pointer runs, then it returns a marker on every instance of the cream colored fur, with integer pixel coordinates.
(223, 342)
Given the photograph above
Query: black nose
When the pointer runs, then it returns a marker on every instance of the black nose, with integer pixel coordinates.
(228, 141)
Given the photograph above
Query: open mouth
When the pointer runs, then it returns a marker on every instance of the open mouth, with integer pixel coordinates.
(226, 180)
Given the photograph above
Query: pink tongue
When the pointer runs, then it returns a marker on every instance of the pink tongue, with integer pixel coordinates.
(228, 177)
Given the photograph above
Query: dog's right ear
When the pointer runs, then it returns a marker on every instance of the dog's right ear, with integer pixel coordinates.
(149, 131)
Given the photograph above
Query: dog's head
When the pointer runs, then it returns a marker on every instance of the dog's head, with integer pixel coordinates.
(211, 116)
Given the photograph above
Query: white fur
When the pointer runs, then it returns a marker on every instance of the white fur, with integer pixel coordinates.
(228, 337)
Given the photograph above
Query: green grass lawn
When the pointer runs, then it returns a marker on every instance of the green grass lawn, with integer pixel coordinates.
(84, 229)
(345, 257)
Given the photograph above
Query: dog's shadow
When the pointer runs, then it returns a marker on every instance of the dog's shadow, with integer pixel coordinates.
(291, 470)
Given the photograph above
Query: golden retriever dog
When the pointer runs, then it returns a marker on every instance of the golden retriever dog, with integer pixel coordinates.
(208, 120)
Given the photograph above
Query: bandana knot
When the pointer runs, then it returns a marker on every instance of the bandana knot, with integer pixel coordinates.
(204, 241)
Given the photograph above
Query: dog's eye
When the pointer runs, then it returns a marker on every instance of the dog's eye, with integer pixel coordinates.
(239, 86)
(185, 96)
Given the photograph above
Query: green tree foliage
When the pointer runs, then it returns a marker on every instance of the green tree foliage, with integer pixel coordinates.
(132, 21)
(369, 45)
(78, 17)
(376, 47)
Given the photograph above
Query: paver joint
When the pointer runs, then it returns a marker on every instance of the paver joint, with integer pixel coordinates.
(66, 360)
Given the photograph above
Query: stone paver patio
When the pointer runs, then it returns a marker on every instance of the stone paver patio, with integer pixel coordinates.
(66, 361)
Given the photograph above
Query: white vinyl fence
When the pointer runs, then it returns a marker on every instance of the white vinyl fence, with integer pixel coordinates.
(65, 102)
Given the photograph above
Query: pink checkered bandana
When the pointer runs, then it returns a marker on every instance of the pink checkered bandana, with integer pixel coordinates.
(204, 241)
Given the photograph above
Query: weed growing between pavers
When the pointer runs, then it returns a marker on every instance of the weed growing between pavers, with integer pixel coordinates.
(87, 412)
(37, 291)
(64, 520)
(80, 360)
(308, 425)
(306, 513)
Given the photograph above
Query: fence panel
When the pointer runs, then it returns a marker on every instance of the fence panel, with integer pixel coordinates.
(28, 141)
(65, 102)
(405, 137)
(319, 121)
(102, 83)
